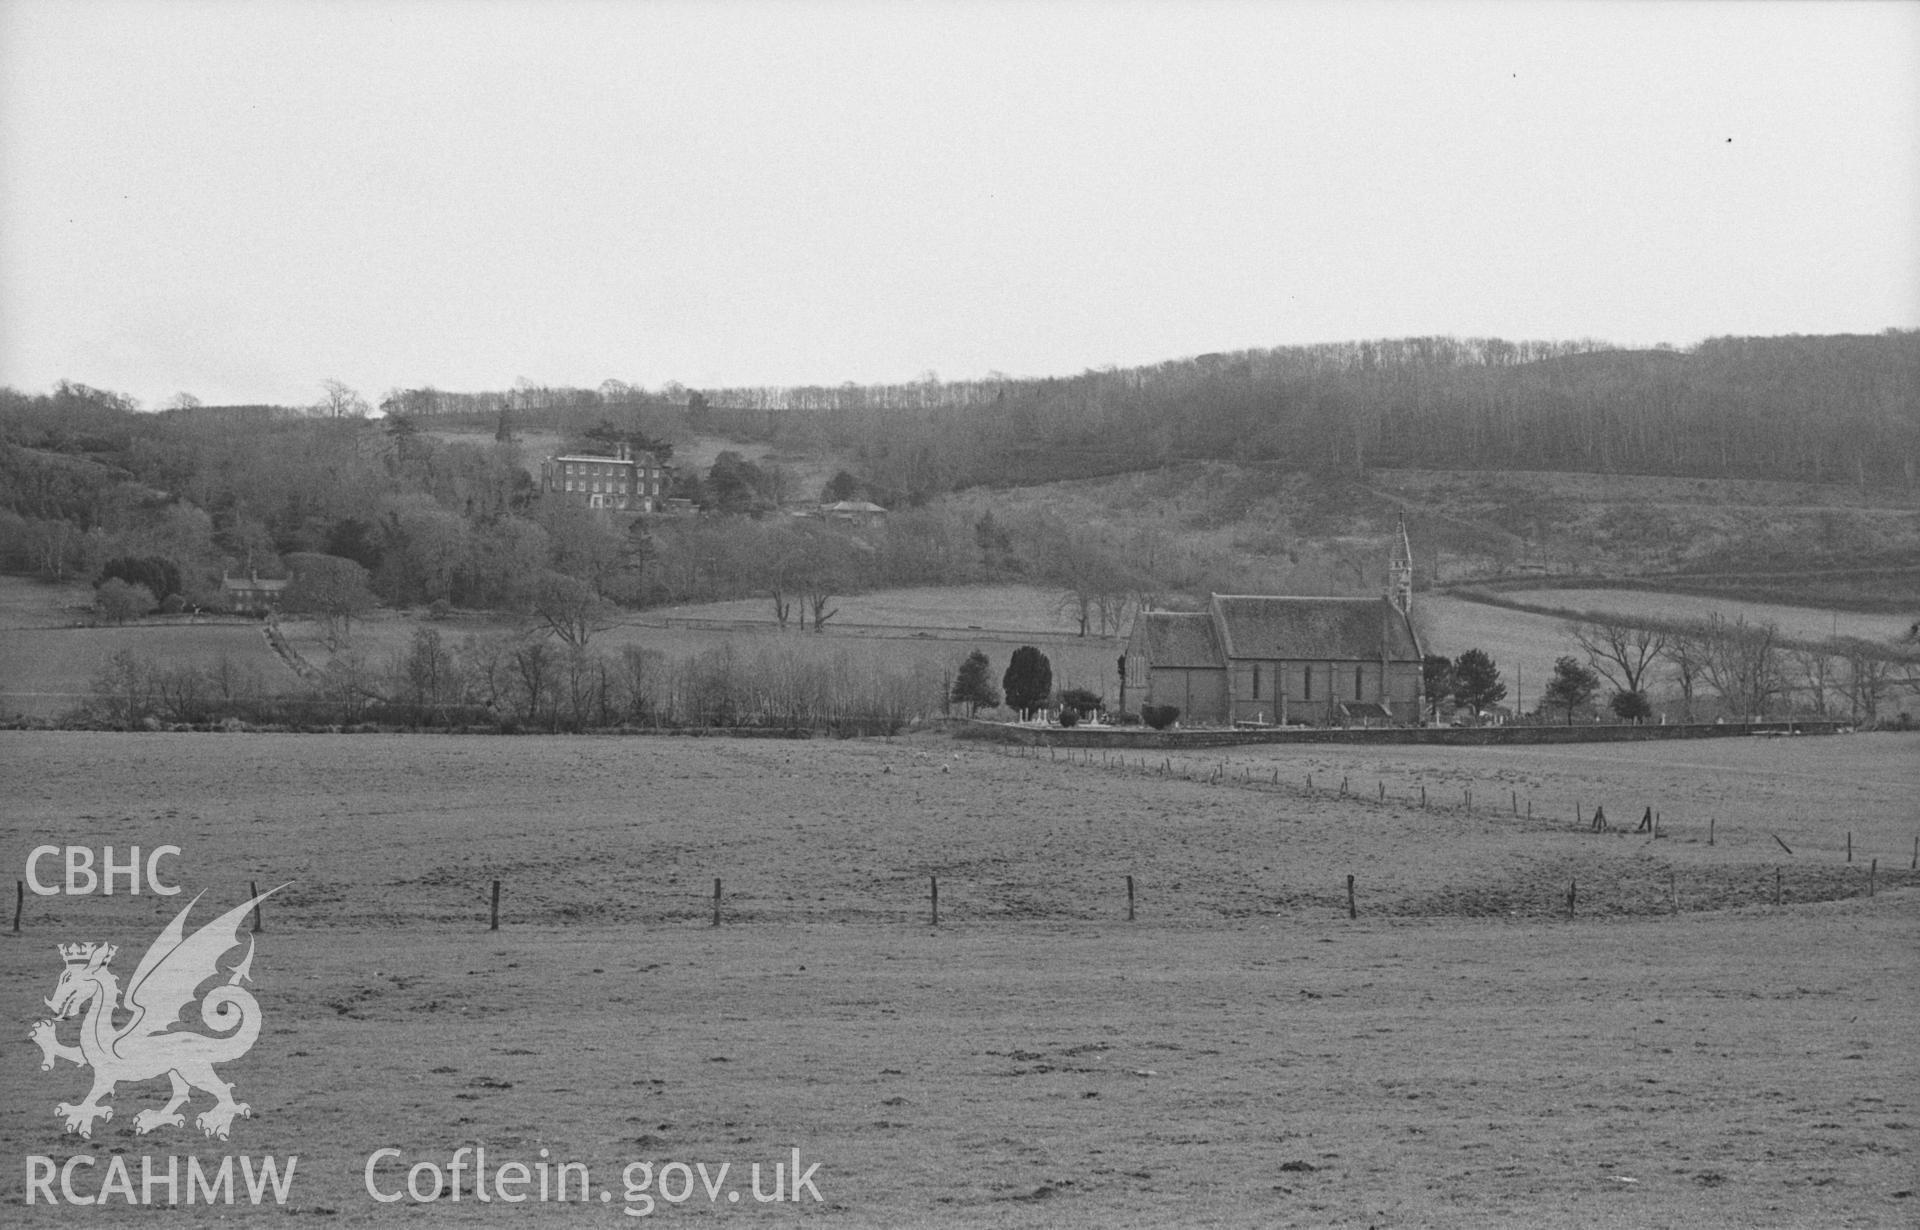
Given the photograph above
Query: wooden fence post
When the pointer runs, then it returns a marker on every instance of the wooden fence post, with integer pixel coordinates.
(935, 882)
(1776, 886)
(493, 923)
(1849, 845)
(1710, 823)
(1571, 886)
(19, 903)
(1352, 910)
(1129, 898)
(1873, 871)
(716, 901)
(1423, 796)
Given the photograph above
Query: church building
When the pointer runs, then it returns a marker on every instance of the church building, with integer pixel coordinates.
(1273, 660)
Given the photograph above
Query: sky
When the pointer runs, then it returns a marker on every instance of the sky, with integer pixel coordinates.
(239, 201)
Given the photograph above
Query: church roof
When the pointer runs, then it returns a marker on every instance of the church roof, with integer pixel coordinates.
(1177, 639)
(1316, 629)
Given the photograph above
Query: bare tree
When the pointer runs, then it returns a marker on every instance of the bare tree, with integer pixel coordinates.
(1815, 665)
(1621, 651)
(427, 675)
(338, 401)
(1686, 651)
(119, 601)
(123, 690)
(1742, 663)
(1873, 672)
(1097, 590)
(641, 673)
(333, 588)
(534, 667)
(571, 609)
(829, 565)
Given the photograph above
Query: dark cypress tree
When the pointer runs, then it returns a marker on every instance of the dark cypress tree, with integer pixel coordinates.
(1029, 679)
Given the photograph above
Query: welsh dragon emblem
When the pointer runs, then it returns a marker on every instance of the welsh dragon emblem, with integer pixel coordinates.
(147, 1044)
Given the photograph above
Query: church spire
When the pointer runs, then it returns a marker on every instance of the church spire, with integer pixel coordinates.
(1400, 573)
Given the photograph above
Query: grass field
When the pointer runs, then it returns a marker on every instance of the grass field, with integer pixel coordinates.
(1244, 1054)
(879, 629)
(924, 632)
(48, 656)
(1796, 622)
(1525, 645)
(46, 661)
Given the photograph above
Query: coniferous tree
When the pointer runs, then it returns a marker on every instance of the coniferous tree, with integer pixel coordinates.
(973, 686)
(1436, 679)
(1029, 679)
(1572, 685)
(1476, 681)
(1631, 706)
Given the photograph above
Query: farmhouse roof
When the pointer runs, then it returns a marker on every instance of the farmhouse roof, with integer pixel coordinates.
(249, 584)
(1177, 639)
(1319, 629)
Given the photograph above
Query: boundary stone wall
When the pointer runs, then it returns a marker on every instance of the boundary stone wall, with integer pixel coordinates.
(1123, 738)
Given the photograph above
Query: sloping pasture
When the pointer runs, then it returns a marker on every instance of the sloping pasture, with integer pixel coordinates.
(1242, 1054)
(1525, 643)
(1794, 622)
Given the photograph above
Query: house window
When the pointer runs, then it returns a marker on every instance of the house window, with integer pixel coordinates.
(1256, 681)
(1306, 683)
(1356, 683)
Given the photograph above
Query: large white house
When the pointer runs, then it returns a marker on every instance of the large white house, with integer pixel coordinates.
(631, 481)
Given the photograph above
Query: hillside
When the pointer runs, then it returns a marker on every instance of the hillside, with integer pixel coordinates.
(1292, 532)
(1769, 470)
(1814, 409)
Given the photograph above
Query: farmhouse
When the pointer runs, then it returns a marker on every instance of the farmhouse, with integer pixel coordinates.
(854, 512)
(252, 594)
(633, 481)
(1266, 659)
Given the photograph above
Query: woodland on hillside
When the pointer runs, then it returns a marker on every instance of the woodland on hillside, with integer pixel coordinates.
(1816, 409)
(377, 510)
(436, 504)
